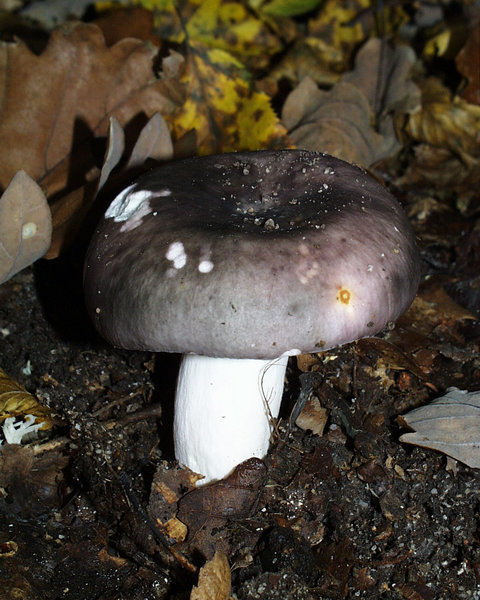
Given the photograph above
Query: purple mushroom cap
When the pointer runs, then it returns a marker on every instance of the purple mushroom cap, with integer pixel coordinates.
(250, 255)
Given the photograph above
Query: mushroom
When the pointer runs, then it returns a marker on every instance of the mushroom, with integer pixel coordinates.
(238, 261)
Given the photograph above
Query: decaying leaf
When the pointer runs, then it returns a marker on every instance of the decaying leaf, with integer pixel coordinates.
(288, 8)
(32, 482)
(206, 509)
(15, 401)
(25, 225)
(450, 424)
(214, 580)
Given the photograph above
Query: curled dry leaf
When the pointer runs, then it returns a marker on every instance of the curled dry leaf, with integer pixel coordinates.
(450, 424)
(214, 580)
(15, 401)
(337, 122)
(313, 416)
(340, 121)
(25, 225)
(446, 123)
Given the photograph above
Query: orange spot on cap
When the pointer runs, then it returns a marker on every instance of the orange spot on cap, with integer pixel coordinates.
(344, 296)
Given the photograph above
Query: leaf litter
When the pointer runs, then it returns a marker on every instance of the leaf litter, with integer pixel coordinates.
(340, 507)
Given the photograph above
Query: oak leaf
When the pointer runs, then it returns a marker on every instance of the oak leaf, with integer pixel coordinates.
(77, 84)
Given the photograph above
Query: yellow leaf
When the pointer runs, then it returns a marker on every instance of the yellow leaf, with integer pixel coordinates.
(289, 8)
(229, 26)
(225, 113)
(15, 401)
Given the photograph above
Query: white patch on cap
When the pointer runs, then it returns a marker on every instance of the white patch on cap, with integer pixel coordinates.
(205, 265)
(307, 267)
(132, 206)
(176, 254)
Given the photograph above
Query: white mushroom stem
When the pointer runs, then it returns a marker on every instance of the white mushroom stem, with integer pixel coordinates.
(223, 411)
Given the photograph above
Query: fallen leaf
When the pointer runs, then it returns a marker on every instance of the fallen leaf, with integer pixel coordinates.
(450, 424)
(446, 122)
(25, 225)
(441, 169)
(15, 401)
(32, 482)
(340, 121)
(131, 21)
(208, 507)
(432, 308)
(221, 107)
(313, 416)
(468, 63)
(217, 24)
(214, 580)
(383, 73)
(337, 122)
(309, 57)
(289, 8)
(53, 137)
(341, 25)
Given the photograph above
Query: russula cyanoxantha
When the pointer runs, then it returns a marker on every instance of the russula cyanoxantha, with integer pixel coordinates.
(239, 261)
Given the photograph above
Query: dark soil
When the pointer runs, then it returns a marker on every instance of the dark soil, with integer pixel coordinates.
(350, 514)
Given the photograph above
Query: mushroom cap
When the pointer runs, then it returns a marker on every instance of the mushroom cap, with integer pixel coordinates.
(250, 255)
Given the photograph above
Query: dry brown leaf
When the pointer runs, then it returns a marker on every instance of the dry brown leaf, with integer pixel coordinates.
(205, 510)
(439, 168)
(468, 63)
(214, 580)
(114, 153)
(432, 308)
(25, 225)
(15, 401)
(450, 424)
(130, 21)
(337, 122)
(341, 121)
(447, 123)
(313, 416)
(32, 482)
(382, 73)
(153, 142)
(78, 83)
